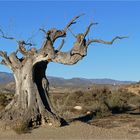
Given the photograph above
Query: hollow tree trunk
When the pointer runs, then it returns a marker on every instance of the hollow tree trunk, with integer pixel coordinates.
(31, 101)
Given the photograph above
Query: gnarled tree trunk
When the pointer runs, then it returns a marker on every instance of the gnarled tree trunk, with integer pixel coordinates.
(31, 102)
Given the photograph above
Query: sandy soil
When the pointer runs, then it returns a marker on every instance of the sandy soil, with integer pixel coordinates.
(108, 128)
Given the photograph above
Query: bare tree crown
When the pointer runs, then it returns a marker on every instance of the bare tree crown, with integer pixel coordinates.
(47, 52)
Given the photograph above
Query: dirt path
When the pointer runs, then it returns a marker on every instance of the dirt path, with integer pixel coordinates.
(81, 131)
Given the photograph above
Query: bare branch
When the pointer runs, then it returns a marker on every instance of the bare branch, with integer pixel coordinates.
(78, 51)
(6, 37)
(3, 54)
(28, 44)
(21, 44)
(72, 32)
(66, 58)
(73, 21)
(105, 42)
(88, 28)
(14, 60)
(53, 34)
(31, 37)
(21, 47)
(5, 60)
(61, 45)
(86, 33)
(43, 30)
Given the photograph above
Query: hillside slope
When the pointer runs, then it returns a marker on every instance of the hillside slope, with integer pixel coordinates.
(58, 81)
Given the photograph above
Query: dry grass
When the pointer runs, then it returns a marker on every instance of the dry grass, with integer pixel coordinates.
(5, 99)
(21, 127)
(97, 101)
(100, 100)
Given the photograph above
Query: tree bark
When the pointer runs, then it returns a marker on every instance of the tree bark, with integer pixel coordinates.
(31, 102)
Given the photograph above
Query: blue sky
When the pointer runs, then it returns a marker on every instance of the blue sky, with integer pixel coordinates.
(119, 61)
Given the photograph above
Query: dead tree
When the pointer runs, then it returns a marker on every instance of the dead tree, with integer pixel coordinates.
(31, 103)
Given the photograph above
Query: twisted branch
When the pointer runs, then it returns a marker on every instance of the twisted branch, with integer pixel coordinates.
(61, 45)
(53, 34)
(105, 42)
(5, 60)
(72, 32)
(21, 43)
(4, 36)
(88, 28)
(43, 30)
(87, 31)
(47, 51)
(73, 21)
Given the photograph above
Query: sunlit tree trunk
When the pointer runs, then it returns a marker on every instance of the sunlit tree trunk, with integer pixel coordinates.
(31, 102)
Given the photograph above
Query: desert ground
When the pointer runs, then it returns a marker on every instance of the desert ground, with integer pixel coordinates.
(94, 121)
(115, 128)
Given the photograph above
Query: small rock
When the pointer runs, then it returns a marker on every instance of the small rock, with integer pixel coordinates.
(88, 112)
(78, 107)
(50, 124)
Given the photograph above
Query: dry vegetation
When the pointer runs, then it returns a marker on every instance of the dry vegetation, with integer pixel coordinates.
(5, 98)
(96, 103)
(134, 88)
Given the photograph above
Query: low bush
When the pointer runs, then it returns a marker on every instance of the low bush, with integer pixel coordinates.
(21, 127)
(101, 100)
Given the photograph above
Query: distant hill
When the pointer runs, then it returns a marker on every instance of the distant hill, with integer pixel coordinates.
(84, 81)
(58, 81)
(6, 77)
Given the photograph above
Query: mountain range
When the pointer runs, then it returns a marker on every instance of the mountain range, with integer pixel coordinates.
(58, 81)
